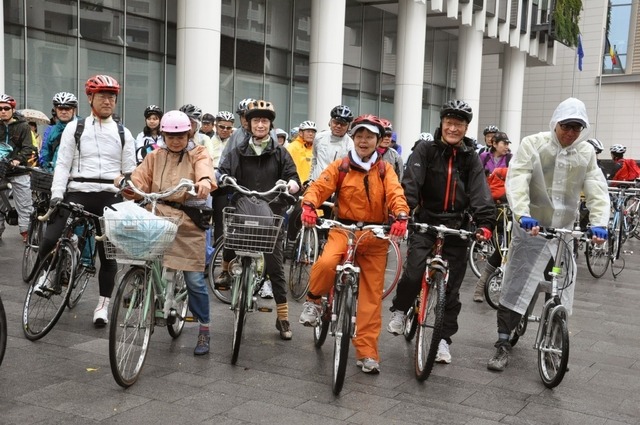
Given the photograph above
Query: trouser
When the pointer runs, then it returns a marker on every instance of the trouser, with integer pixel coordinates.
(94, 202)
(455, 252)
(371, 257)
(220, 200)
(21, 187)
(198, 296)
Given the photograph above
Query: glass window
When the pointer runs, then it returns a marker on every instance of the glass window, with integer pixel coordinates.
(370, 82)
(101, 24)
(250, 23)
(617, 37)
(302, 27)
(389, 40)
(59, 16)
(13, 11)
(146, 34)
(248, 85)
(149, 8)
(301, 68)
(144, 86)
(277, 62)
(368, 104)
(299, 104)
(227, 51)
(353, 35)
(228, 18)
(250, 56)
(279, 24)
(98, 58)
(351, 78)
(276, 91)
(14, 73)
(226, 90)
(372, 39)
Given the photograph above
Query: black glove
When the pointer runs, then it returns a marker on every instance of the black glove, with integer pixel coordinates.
(54, 202)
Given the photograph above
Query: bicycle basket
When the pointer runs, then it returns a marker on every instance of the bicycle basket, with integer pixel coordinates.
(250, 233)
(41, 180)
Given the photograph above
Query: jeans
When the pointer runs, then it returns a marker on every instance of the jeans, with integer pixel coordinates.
(198, 296)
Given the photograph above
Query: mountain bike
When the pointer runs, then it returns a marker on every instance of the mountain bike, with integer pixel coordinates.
(41, 191)
(61, 278)
(425, 319)
(339, 307)
(148, 294)
(3, 331)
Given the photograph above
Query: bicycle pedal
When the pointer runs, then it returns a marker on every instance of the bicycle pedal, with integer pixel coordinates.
(265, 309)
(190, 319)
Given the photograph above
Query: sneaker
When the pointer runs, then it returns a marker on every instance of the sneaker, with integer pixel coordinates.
(500, 359)
(369, 365)
(285, 329)
(202, 346)
(443, 355)
(223, 281)
(25, 236)
(101, 313)
(396, 325)
(266, 291)
(311, 313)
(43, 286)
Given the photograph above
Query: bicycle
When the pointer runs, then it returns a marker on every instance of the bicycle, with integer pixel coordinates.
(425, 319)
(552, 338)
(60, 279)
(502, 238)
(41, 191)
(147, 295)
(339, 307)
(7, 210)
(3, 331)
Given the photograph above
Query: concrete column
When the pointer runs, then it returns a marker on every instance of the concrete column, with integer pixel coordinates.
(2, 62)
(326, 58)
(512, 93)
(469, 71)
(407, 112)
(198, 31)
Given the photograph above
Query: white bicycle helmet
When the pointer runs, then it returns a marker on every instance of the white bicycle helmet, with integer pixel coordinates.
(243, 105)
(490, 129)
(65, 99)
(618, 149)
(426, 137)
(307, 125)
(597, 145)
(225, 116)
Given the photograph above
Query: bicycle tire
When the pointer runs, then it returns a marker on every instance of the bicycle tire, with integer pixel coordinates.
(393, 269)
(30, 254)
(239, 305)
(620, 236)
(305, 255)
(553, 353)
(479, 253)
(598, 258)
(411, 322)
(3, 331)
(214, 268)
(341, 340)
(321, 330)
(131, 325)
(492, 288)
(431, 320)
(41, 313)
(79, 285)
(175, 324)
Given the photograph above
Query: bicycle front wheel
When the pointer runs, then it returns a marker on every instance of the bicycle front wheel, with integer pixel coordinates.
(305, 255)
(239, 305)
(479, 253)
(492, 288)
(411, 322)
(131, 326)
(214, 269)
(620, 236)
(30, 255)
(43, 307)
(341, 340)
(597, 257)
(393, 269)
(181, 306)
(3, 331)
(322, 328)
(553, 353)
(430, 322)
(79, 285)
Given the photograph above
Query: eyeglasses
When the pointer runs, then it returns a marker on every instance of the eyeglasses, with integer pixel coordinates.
(5, 108)
(224, 127)
(260, 120)
(111, 97)
(339, 123)
(64, 108)
(575, 127)
(456, 125)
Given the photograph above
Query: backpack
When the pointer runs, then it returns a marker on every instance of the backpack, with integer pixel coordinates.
(629, 171)
(496, 183)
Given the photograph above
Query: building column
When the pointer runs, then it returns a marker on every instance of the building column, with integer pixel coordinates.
(199, 27)
(326, 58)
(469, 71)
(407, 106)
(2, 62)
(512, 93)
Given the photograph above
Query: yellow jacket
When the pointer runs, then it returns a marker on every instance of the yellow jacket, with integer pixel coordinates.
(302, 156)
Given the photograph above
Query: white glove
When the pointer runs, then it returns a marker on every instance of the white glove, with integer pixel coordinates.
(293, 187)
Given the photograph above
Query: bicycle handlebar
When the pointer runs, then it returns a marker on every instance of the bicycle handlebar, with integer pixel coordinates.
(155, 197)
(72, 206)
(553, 232)
(423, 227)
(280, 188)
(378, 230)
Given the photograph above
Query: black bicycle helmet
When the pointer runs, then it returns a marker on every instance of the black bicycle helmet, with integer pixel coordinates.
(490, 129)
(153, 110)
(457, 108)
(192, 111)
(342, 112)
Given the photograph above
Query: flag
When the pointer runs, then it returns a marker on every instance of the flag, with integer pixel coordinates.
(580, 52)
(612, 53)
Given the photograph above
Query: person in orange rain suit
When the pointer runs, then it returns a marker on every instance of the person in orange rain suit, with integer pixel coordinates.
(368, 192)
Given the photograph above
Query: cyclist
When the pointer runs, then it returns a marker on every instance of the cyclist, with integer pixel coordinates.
(16, 145)
(498, 155)
(423, 137)
(546, 176)
(150, 138)
(242, 132)
(283, 137)
(84, 174)
(334, 143)
(582, 209)
(364, 196)
(444, 182)
(161, 170)
(488, 134)
(195, 115)
(224, 126)
(387, 152)
(65, 105)
(624, 169)
(208, 121)
(394, 143)
(257, 163)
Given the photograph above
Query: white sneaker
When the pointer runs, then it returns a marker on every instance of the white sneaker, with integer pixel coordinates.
(266, 291)
(369, 365)
(443, 355)
(310, 313)
(43, 285)
(101, 313)
(396, 325)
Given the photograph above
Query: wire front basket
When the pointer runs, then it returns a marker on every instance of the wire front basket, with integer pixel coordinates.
(251, 233)
(138, 239)
(41, 181)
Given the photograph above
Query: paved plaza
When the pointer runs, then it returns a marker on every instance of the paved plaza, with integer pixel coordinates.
(65, 378)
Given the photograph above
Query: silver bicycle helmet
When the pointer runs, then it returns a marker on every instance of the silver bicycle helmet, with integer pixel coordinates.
(5, 98)
(192, 111)
(618, 149)
(597, 145)
(225, 116)
(490, 129)
(65, 99)
(426, 137)
(243, 105)
(307, 125)
(342, 112)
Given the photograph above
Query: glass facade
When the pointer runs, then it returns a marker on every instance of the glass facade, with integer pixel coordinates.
(265, 48)
(614, 58)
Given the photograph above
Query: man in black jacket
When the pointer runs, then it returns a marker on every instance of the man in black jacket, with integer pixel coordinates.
(257, 163)
(444, 182)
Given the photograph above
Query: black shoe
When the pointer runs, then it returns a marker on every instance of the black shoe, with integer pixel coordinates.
(223, 281)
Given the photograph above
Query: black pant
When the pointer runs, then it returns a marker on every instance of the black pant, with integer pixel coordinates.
(94, 202)
(455, 252)
(219, 202)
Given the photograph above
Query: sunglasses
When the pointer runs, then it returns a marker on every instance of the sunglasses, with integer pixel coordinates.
(224, 127)
(64, 108)
(5, 108)
(575, 127)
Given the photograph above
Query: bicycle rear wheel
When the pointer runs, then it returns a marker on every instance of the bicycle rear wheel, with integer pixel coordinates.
(30, 255)
(411, 321)
(181, 306)
(79, 285)
(305, 255)
(131, 326)
(620, 236)
(479, 253)
(492, 288)
(3, 331)
(41, 312)
(598, 257)
(322, 328)
(393, 269)
(553, 353)
(239, 305)
(430, 321)
(214, 269)
(342, 339)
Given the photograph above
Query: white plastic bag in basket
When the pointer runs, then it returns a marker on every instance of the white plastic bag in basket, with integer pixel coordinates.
(136, 231)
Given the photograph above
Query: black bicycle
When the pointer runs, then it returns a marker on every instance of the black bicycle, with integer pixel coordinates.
(3, 331)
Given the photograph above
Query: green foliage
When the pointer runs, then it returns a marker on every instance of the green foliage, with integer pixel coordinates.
(565, 18)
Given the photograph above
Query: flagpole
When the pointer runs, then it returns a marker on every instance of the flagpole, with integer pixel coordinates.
(601, 65)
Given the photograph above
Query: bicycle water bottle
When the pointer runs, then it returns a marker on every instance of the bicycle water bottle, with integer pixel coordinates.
(74, 242)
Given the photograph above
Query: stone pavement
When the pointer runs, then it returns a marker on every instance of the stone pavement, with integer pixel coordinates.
(66, 378)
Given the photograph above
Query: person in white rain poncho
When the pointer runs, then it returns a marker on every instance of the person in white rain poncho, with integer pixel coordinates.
(544, 182)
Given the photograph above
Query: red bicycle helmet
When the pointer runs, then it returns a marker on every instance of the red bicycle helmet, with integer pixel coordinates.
(99, 83)
(5, 98)
(367, 121)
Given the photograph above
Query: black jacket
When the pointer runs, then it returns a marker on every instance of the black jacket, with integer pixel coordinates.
(19, 138)
(443, 183)
(261, 172)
